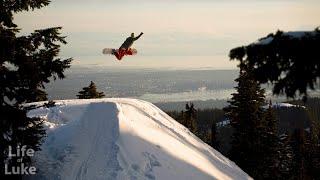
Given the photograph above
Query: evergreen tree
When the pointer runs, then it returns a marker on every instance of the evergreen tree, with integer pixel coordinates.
(314, 159)
(246, 115)
(214, 140)
(313, 154)
(271, 143)
(285, 166)
(26, 63)
(292, 62)
(181, 119)
(90, 92)
(190, 118)
(305, 155)
(271, 122)
(299, 147)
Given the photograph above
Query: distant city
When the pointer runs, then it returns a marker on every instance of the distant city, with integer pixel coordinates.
(169, 89)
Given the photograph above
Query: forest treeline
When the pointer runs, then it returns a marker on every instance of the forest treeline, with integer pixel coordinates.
(212, 126)
(289, 118)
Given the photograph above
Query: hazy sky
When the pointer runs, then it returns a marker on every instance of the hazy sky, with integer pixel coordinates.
(178, 33)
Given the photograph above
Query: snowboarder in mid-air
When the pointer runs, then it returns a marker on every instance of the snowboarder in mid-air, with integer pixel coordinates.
(125, 48)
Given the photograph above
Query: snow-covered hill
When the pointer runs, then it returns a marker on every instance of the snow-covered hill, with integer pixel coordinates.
(291, 34)
(123, 139)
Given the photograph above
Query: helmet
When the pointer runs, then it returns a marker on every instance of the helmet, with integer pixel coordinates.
(132, 35)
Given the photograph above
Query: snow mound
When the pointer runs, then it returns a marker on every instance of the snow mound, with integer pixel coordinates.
(287, 105)
(291, 34)
(123, 139)
(284, 105)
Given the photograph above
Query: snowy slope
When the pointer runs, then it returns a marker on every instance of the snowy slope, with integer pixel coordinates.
(123, 139)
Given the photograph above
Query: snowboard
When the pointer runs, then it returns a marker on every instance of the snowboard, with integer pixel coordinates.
(119, 53)
(111, 51)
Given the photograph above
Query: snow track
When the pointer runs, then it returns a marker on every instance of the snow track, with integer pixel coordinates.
(123, 139)
(101, 154)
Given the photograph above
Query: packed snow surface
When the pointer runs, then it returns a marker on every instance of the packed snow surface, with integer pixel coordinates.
(123, 139)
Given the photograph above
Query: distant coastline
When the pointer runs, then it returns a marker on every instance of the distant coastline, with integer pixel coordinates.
(168, 89)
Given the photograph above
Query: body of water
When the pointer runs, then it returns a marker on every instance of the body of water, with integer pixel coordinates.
(148, 84)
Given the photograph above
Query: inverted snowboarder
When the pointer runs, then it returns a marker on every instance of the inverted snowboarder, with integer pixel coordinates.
(125, 48)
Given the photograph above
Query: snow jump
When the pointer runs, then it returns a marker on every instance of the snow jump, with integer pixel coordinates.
(125, 49)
